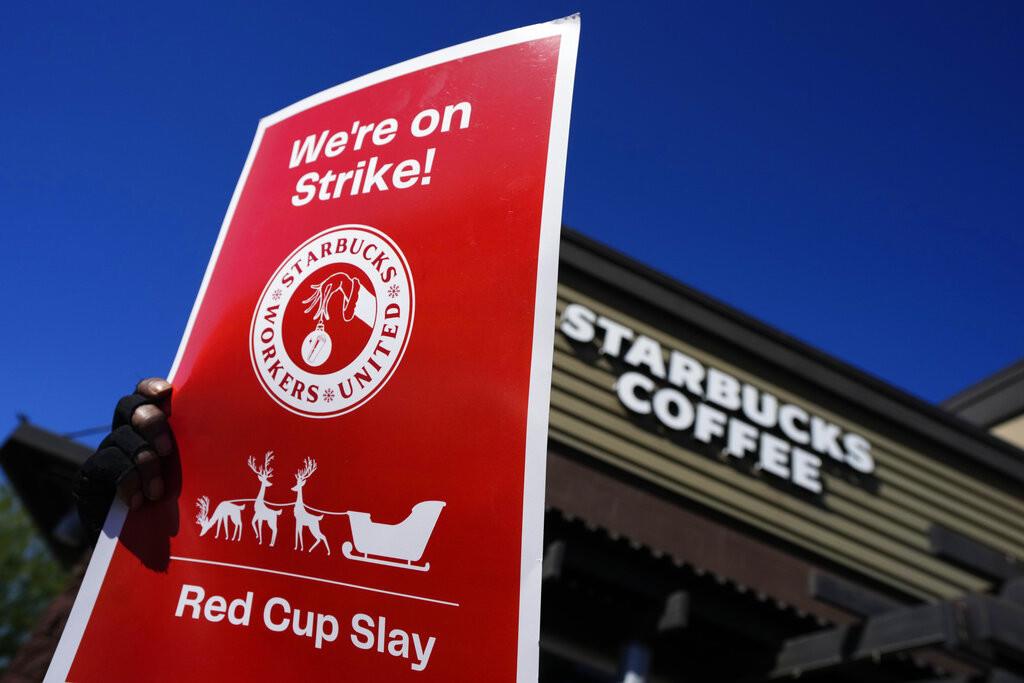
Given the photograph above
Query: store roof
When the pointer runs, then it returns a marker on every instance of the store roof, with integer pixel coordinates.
(993, 400)
(41, 466)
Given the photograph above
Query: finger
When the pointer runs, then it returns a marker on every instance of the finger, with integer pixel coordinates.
(129, 489)
(150, 472)
(157, 390)
(151, 422)
(130, 444)
(127, 440)
(125, 408)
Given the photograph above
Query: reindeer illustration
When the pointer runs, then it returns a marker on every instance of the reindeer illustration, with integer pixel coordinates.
(261, 511)
(226, 512)
(303, 518)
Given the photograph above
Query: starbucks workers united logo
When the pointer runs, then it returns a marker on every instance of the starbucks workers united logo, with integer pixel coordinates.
(333, 321)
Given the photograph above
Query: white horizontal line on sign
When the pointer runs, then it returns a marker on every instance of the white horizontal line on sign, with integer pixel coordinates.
(409, 596)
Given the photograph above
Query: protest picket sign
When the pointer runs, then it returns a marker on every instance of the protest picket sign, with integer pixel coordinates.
(360, 396)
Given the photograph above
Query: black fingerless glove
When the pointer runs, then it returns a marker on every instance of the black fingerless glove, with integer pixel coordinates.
(99, 476)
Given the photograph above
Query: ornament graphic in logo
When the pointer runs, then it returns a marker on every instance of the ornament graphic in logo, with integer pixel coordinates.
(333, 321)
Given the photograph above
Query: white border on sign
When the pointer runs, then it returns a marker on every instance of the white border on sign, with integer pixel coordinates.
(568, 29)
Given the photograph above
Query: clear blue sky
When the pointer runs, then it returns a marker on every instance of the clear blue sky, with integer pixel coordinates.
(850, 173)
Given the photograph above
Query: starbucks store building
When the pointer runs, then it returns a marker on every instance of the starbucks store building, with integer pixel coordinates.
(725, 503)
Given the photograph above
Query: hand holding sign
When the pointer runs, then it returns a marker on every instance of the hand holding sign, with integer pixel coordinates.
(128, 461)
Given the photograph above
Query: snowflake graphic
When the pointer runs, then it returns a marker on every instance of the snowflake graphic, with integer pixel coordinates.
(276, 294)
(393, 291)
(328, 395)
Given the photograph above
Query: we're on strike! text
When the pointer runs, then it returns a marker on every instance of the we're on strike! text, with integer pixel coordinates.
(371, 175)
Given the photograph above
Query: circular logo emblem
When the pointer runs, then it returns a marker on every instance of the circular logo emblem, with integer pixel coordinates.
(333, 321)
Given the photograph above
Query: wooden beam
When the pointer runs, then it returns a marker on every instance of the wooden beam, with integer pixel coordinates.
(972, 555)
(975, 624)
(896, 631)
(554, 559)
(849, 596)
(675, 615)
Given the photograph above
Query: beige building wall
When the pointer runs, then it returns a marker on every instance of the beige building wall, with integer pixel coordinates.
(1011, 430)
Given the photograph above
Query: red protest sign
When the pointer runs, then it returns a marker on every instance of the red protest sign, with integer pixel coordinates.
(361, 394)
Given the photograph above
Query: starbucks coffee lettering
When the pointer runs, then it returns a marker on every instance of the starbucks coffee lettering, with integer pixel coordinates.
(709, 405)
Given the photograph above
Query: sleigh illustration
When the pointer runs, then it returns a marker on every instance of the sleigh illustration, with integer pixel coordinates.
(394, 545)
